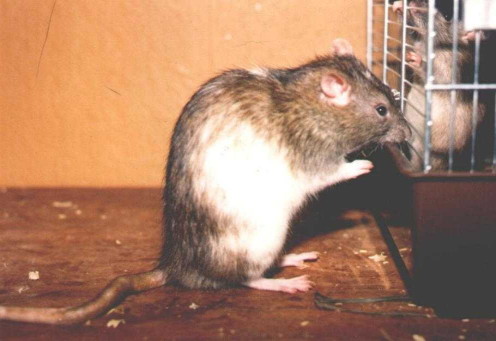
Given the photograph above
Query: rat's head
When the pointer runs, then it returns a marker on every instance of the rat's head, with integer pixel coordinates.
(417, 16)
(353, 103)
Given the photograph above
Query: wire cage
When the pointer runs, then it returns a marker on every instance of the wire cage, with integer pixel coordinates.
(439, 55)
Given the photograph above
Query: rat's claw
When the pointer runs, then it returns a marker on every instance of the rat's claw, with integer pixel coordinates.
(357, 168)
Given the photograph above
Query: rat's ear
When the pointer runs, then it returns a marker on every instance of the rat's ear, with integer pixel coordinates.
(341, 47)
(335, 90)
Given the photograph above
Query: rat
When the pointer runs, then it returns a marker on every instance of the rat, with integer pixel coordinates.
(248, 149)
(441, 109)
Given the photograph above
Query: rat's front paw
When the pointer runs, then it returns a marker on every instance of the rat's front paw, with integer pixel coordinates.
(352, 170)
(414, 59)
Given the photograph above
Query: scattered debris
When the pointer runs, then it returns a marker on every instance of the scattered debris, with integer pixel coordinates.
(62, 204)
(118, 242)
(78, 212)
(304, 323)
(114, 323)
(87, 323)
(418, 337)
(194, 306)
(117, 310)
(461, 337)
(34, 275)
(466, 320)
(378, 257)
(62, 216)
(23, 288)
(363, 251)
(103, 216)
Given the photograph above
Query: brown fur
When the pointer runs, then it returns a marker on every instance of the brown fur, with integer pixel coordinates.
(441, 111)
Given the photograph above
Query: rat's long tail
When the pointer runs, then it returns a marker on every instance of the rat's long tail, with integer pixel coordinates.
(114, 292)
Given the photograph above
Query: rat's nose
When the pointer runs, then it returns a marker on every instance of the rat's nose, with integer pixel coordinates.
(398, 7)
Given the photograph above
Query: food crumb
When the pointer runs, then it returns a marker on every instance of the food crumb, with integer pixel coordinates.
(114, 323)
(378, 257)
(118, 242)
(418, 337)
(62, 216)
(466, 320)
(304, 323)
(87, 323)
(403, 249)
(116, 310)
(78, 212)
(461, 337)
(34, 275)
(62, 204)
(22, 289)
(363, 251)
(194, 306)
(103, 216)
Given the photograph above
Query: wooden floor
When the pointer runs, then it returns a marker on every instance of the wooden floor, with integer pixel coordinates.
(78, 239)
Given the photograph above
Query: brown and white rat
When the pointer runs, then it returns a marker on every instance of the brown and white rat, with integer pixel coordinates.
(441, 109)
(248, 149)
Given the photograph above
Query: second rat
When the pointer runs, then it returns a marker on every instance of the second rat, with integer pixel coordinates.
(451, 127)
(247, 151)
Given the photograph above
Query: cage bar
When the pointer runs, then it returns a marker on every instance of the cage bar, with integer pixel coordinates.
(385, 43)
(454, 72)
(475, 103)
(429, 80)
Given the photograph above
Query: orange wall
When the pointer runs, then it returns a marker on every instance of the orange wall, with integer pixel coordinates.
(90, 96)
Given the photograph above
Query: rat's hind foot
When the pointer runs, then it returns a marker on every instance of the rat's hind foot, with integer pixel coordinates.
(299, 259)
(289, 285)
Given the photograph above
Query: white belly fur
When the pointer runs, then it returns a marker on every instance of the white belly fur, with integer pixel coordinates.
(248, 179)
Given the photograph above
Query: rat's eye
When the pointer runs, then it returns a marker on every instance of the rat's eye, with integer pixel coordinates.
(381, 110)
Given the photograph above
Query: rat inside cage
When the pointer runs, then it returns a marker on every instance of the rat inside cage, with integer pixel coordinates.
(440, 56)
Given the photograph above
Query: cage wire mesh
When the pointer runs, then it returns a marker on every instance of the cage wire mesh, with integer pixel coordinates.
(430, 51)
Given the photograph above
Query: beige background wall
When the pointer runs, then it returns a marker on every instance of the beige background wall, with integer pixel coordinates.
(90, 89)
